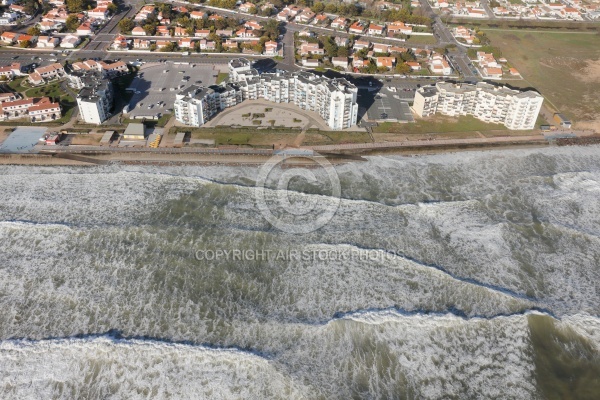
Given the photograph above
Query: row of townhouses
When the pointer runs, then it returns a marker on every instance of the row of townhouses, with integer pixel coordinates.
(333, 99)
(515, 109)
(38, 109)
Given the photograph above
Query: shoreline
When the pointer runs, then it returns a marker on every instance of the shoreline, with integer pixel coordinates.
(82, 159)
(253, 157)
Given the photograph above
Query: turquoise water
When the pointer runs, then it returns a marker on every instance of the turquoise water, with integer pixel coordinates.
(447, 276)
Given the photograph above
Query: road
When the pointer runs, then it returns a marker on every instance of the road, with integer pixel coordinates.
(460, 60)
(486, 6)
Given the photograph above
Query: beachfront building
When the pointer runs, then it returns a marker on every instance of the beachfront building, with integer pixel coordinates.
(196, 105)
(96, 96)
(333, 99)
(517, 110)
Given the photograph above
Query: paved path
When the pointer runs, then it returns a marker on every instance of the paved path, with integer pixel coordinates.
(427, 143)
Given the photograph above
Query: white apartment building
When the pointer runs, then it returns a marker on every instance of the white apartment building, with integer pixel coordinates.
(517, 110)
(333, 99)
(95, 98)
(195, 105)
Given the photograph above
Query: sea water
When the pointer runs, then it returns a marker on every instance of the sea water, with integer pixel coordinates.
(480, 280)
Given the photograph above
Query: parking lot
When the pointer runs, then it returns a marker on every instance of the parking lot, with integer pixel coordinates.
(385, 106)
(157, 84)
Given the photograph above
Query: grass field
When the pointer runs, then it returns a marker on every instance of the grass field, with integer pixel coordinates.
(443, 127)
(222, 77)
(268, 137)
(563, 66)
(421, 39)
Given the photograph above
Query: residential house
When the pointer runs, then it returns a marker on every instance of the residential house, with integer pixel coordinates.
(185, 43)
(381, 48)
(141, 44)
(45, 42)
(51, 71)
(439, 65)
(492, 72)
(359, 62)
(306, 33)
(310, 63)
(321, 19)
(361, 44)
(397, 50)
(98, 13)
(339, 23)
(8, 96)
(398, 27)
(17, 8)
(144, 13)
(179, 32)
(283, 16)
(253, 25)
(311, 48)
(224, 32)
(341, 62)
(162, 30)
(461, 32)
(8, 37)
(341, 41)
(271, 48)
(10, 71)
(305, 16)
(119, 43)
(115, 68)
(44, 110)
(356, 28)
(138, 31)
(414, 66)
(202, 33)
(198, 15)
(35, 79)
(160, 44)
(230, 45)
(50, 25)
(375, 29)
(25, 38)
(387, 62)
(207, 45)
(246, 33)
(246, 7)
(84, 29)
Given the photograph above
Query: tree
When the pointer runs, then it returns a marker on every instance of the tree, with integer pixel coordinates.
(342, 51)
(171, 46)
(152, 47)
(75, 6)
(149, 29)
(402, 68)
(34, 31)
(318, 7)
(126, 25)
(25, 44)
(72, 22)
(271, 29)
(331, 8)
(112, 7)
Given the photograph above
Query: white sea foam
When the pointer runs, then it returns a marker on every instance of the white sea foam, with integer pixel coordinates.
(104, 368)
(480, 234)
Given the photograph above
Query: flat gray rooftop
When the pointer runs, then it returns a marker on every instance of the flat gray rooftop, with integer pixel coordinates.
(22, 139)
(155, 85)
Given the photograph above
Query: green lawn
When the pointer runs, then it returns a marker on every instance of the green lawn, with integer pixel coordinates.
(222, 77)
(162, 121)
(438, 124)
(562, 66)
(421, 39)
